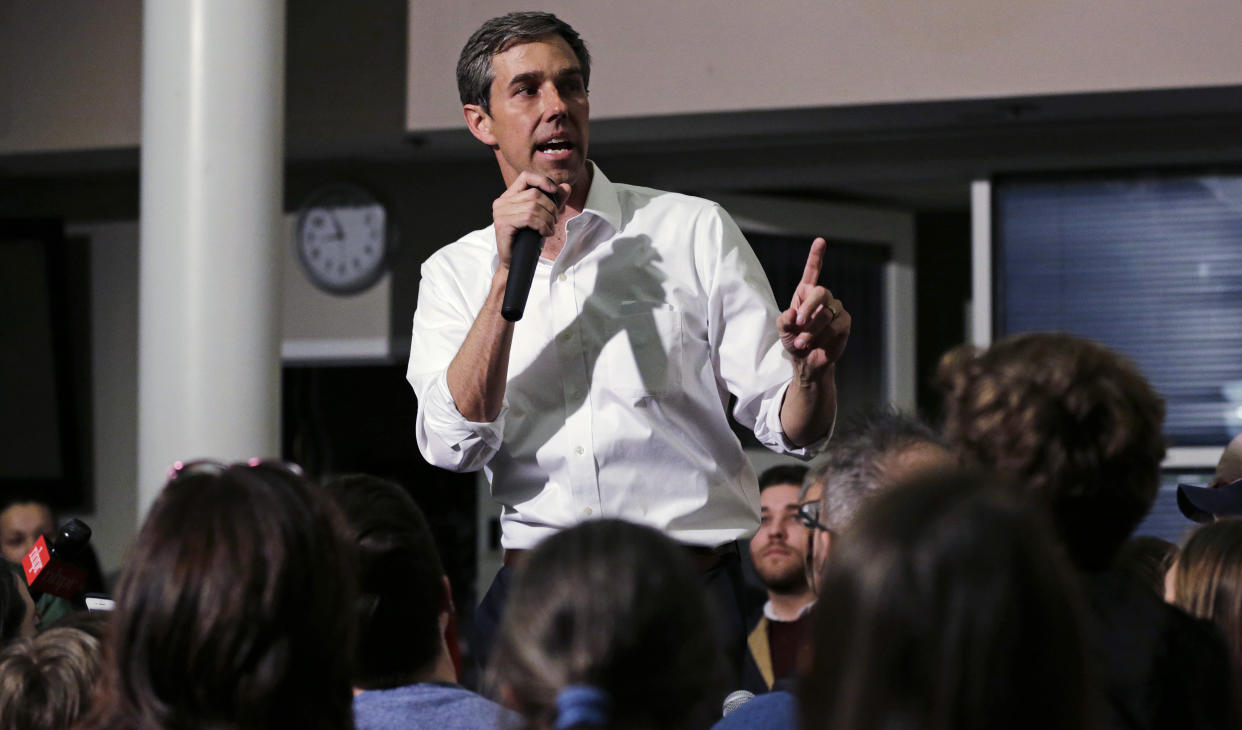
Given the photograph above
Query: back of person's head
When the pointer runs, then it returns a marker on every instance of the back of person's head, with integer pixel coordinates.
(46, 682)
(871, 450)
(950, 608)
(234, 609)
(1207, 579)
(1147, 559)
(1075, 423)
(608, 626)
(401, 582)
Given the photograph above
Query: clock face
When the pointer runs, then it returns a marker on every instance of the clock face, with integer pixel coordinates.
(342, 239)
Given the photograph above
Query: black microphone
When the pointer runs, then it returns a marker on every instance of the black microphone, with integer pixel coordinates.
(523, 257)
(48, 567)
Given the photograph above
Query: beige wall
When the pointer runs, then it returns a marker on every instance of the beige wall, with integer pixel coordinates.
(70, 75)
(70, 71)
(657, 57)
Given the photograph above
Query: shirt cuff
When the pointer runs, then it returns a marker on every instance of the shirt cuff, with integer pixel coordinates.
(455, 430)
(773, 421)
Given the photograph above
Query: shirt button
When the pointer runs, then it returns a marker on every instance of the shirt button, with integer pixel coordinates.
(579, 451)
(587, 512)
(567, 336)
(562, 277)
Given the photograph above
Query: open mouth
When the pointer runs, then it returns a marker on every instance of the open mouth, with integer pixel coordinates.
(556, 147)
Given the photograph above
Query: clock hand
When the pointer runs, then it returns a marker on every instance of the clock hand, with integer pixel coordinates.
(340, 232)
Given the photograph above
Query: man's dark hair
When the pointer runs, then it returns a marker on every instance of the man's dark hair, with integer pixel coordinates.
(400, 578)
(782, 474)
(474, 67)
(1074, 422)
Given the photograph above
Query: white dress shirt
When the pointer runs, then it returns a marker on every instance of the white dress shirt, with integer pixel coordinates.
(620, 371)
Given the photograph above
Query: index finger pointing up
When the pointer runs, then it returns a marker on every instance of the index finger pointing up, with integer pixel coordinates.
(810, 275)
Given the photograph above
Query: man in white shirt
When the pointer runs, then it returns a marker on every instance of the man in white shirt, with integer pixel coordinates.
(647, 309)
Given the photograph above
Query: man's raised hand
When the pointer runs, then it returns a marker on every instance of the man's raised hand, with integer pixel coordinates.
(815, 327)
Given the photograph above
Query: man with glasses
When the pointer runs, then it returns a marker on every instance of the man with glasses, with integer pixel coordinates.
(879, 449)
(869, 453)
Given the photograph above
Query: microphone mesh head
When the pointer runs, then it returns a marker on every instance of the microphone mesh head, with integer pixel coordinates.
(735, 700)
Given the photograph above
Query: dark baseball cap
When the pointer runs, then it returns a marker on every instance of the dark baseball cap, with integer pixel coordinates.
(1204, 504)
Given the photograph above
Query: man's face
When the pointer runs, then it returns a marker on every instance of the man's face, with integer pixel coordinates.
(20, 525)
(539, 112)
(778, 549)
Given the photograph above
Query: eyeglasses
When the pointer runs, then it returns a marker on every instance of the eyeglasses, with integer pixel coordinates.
(182, 469)
(808, 515)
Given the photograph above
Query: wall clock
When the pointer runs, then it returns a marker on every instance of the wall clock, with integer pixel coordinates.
(344, 235)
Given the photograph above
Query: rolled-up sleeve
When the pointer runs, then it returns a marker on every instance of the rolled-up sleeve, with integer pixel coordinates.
(444, 315)
(747, 352)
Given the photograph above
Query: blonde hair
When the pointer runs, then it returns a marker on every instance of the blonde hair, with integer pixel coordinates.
(46, 682)
(1208, 579)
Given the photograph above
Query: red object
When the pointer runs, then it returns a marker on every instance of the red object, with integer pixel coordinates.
(46, 574)
(454, 645)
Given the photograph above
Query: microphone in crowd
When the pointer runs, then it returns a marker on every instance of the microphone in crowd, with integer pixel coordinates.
(735, 700)
(524, 256)
(48, 566)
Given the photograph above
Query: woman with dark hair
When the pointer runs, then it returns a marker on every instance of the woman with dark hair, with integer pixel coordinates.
(950, 607)
(234, 611)
(607, 627)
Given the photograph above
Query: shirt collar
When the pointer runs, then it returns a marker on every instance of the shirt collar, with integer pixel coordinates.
(602, 199)
(771, 614)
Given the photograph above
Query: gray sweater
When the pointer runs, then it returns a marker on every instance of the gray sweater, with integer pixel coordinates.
(432, 705)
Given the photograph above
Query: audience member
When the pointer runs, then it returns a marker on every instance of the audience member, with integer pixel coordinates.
(405, 677)
(18, 617)
(951, 607)
(1080, 430)
(23, 518)
(1221, 498)
(869, 452)
(607, 626)
(46, 682)
(778, 551)
(1207, 582)
(234, 612)
(877, 449)
(1147, 559)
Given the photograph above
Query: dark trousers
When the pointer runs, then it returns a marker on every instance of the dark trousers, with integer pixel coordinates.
(727, 594)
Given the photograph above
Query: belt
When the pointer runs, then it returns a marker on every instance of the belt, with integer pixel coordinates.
(701, 557)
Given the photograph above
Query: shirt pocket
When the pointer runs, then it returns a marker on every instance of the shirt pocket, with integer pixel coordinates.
(644, 358)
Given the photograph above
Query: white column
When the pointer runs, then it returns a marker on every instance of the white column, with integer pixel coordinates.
(212, 153)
